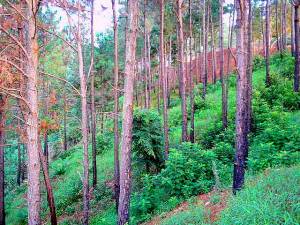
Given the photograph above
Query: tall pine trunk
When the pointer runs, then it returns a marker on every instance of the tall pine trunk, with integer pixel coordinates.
(213, 50)
(93, 109)
(181, 77)
(242, 8)
(116, 108)
(283, 24)
(84, 122)
(31, 41)
(164, 78)
(297, 45)
(125, 172)
(191, 78)
(205, 43)
(223, 80)
(267, 44)
(2, 143)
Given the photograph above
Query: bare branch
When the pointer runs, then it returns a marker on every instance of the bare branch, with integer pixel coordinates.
(4, 91)
(61, 79)
(60, 37)
(15, 40)
(16, 9)
(14, 65)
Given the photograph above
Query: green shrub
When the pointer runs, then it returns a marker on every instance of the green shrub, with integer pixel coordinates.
(284, 64)
(199, 103)
(272, 199)
(258, 62)
(188, 172)
(104, 142)
(147, 142)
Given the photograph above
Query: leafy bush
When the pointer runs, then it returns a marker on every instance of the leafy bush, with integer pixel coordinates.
(147, 141)
(199, 103)
(104, 142)
(187, 172)
(284, 64)
(258, 62)
(272, 199)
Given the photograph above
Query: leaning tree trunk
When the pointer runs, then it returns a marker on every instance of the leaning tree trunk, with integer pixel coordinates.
(50, 196)
(2, 142)
(267, 44)
(297, 45)
(125, 172)
(116, 109)
(223, 81)
(93, 108)
(181, 77)
(164, 78)
(31, 41)
(242, 8)
(84, 123)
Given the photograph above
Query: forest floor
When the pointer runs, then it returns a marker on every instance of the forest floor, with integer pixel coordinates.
(212, 209)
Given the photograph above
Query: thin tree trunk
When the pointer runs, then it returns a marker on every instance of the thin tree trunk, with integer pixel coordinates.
(297, 46)
(2, 142)
(213, 51)
(125, 172)
(283, 24)
(242, 8)
(164, 77)
(31, 40)
(93, 108)
(223, 81)
(116, 109)
(65, 121)
(84, 123)
(293, 30)
(19, 165)
(181, 77)
(205, 43)
(145, 59)
(276, 25)
(191, 80)
(50, 196)
(267, 44)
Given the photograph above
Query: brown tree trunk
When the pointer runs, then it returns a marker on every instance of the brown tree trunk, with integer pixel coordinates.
(205, 44)
(276, 26)
(84, 123)
(181, 77)
(283, 24)
(93, 109)
(191, 78)
(147, 104)
(125, 172)
(213, 51)
(19, 165)
(297, 45)
(267, 44)
(164, 78)
(116, 109)
(293, 30)
(65, 121)
(50, 196)
(2, 142)
(242, 8)
(223, 80)
(34, 198)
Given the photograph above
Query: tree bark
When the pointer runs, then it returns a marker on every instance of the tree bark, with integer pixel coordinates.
(146, 70)
(164, 78)
(242, 8)
(181, 77)
(93, 108)
(125, 172)
(2, 142)
(276, 26)
(191, 78)
(283, 25)
(267, 44)
(65, 121)
(297, 45)
(223, 81)
(293, 30)
(84, 122)
(205, 44)
(33, 195)
(213, 51)
(116, 109)
(50, 196)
